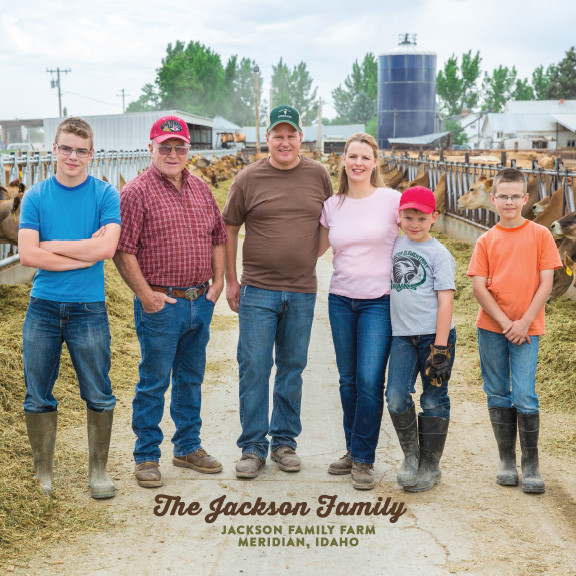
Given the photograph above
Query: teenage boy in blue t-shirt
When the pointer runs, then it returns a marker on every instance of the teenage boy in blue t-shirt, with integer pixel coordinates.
(69, 224)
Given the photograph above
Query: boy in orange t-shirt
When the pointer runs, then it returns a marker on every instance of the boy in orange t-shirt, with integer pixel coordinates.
(512, 269)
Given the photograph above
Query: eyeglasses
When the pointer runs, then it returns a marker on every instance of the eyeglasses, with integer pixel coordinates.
(67, 151)
(516, 198)
(164, 150)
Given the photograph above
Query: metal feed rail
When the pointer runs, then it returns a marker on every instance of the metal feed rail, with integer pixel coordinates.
(30, 169)
(461, 175)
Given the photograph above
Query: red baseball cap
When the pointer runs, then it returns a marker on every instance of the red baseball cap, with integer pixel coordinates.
(418, 198)
(169, 127)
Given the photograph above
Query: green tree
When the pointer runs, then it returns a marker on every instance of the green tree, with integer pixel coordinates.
(192, 79)
(541, 81)
(294, 87)
(563, 78)
(457, 86)
(458, 136)
(150, 99)
(362, 80)
(498, 87)
(240, 84)
(522, 90)
(363, 109)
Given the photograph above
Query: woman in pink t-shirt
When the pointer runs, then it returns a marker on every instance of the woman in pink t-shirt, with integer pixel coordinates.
(360, 223)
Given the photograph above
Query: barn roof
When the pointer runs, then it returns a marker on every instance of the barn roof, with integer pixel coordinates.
(567, 120)
(221, 123)
(516, 123)
(540, 107)
(426, 139)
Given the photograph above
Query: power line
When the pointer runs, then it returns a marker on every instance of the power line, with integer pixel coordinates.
(56, 84)
(93, 99)
(123, 93)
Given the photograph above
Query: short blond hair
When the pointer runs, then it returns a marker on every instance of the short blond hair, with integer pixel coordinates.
(78, 126)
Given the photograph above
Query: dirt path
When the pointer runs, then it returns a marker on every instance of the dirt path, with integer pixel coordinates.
(466, 525)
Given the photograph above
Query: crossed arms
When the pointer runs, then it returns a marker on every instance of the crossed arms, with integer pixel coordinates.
(62, 255)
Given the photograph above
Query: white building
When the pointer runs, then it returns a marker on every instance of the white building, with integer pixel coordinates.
(528, 124)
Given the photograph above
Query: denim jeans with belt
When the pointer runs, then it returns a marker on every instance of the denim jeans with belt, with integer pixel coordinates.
(407, 360)
(362, 334)
(509, 371)
(279, 323)
(85, 329)
(172, 341)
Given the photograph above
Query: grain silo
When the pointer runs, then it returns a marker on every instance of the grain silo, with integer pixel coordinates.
(406, 91)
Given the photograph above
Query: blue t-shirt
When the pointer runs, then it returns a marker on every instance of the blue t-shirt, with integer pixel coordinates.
(61, 213)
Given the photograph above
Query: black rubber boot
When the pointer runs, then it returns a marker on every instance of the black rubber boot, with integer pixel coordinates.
(432, 434)
(407, 430)
(99, 432)
(528, 429)
(42, 436)
(504, 425)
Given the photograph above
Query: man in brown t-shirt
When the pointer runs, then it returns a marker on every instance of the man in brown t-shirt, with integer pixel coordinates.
(279, 200)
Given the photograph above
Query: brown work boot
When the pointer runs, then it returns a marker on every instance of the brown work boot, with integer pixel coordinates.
(362, 476)
(199, 461)
(249, 465)
(148, 475)
(288, 460)
(342, 465)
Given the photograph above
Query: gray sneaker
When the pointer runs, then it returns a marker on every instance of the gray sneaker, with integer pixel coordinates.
(342, 465)
(249, 465)
(288, 460)
(362, 476)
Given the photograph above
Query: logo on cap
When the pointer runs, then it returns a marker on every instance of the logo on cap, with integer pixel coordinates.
(171, 126)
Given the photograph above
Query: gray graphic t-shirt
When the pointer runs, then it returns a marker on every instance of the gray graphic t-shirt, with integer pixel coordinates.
(419, 271)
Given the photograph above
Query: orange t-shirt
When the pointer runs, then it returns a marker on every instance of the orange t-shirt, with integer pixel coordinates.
(512, 259)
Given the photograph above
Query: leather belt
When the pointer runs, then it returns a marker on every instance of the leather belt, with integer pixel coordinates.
(189, 294)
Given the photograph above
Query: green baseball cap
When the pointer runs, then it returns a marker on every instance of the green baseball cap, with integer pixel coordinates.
(286, 114)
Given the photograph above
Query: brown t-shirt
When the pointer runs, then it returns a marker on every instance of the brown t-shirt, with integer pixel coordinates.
(281, 211)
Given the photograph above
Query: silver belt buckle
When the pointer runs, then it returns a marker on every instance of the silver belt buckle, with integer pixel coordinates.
(193, 293)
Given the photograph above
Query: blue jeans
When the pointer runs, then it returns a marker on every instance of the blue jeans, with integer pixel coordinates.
(362, 333)
(84, 327)
(279, 322)
(509, 371)
(407, 360)
(172, 341)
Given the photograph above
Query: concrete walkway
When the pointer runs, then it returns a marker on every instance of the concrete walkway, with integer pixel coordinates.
(467, 524)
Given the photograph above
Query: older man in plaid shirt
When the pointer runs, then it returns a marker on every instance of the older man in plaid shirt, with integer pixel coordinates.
(172, 244)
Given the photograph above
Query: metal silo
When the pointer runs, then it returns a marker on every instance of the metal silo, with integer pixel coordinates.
(406, 91)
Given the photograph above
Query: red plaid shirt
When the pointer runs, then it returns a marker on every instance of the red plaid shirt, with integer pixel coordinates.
(171, 234)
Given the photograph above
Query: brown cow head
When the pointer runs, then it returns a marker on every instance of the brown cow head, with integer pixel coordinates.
(478, 195)
(565, 226)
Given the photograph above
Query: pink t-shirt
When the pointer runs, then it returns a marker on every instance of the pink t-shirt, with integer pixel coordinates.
(362, 233)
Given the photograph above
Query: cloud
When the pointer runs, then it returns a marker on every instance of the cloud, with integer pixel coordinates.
(112, 45)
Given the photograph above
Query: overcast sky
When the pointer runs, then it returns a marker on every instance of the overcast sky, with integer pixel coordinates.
(114, 45)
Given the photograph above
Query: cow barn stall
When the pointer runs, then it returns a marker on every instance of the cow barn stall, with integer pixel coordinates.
(131, 131)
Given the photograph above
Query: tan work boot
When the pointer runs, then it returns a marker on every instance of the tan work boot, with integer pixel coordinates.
(362, 476)
(288, 460)
(249, 465)
(99, 431)
(342, 465)
(148, 475)
(42, 436)
(199, 461)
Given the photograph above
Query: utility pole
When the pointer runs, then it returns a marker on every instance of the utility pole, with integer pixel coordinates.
(256, 70)
(123, 94)
(56, 84)
(319, 143)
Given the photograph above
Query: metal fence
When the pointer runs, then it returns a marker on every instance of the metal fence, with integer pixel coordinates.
(114, 167)
(461, 175)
